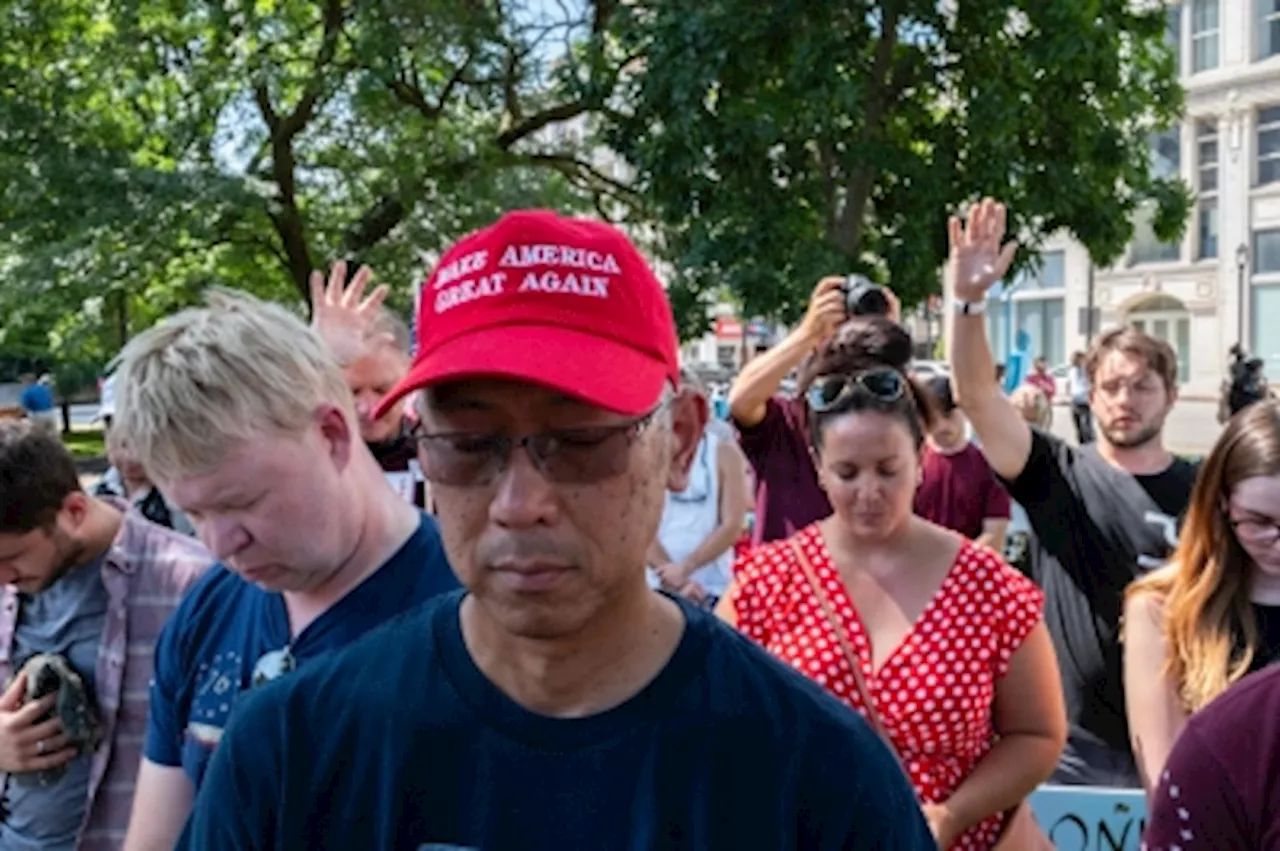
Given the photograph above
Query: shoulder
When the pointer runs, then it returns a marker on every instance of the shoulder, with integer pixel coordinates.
(1147, 595)
(776, 559)
(162, 558)
(353, 679)
(218, 595)
(989, 576)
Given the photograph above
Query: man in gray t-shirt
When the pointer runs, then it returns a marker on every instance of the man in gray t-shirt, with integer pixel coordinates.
(67, 619)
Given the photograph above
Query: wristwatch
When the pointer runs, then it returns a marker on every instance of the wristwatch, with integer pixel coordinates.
(970, 308)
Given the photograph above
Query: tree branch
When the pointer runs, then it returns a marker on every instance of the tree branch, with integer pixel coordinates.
(408, 91)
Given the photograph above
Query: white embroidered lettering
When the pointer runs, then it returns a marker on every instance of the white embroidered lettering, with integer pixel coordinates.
(485, 287)
(466, 265)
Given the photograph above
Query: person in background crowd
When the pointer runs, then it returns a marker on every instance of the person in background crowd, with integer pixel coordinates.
(1217, 791)
(1244, 385)
(1102, 514)
(774, 430)
(1001, 370)
(693, 552)
(107, 401)
(371, 365)
(315, 548)
(1040, 377)
(949, 640)
(37, 402)
(91, 583)
(1078, 390)
(957, 489)
(558, 703)
(132, 484)
(1212, 615)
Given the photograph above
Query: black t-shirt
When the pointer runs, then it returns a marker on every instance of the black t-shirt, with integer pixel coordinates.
(1095, 529)
(400, 743)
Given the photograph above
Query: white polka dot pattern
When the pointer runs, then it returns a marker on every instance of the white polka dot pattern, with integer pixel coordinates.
(934, 692)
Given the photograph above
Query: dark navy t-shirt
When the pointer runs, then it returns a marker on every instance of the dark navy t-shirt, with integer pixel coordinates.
(207, 651)
(400, 743)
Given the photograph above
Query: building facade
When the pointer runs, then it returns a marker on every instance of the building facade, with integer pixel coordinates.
(1220, 284)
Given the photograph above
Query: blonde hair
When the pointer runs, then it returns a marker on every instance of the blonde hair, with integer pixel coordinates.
(205, 379)
(1208, 619)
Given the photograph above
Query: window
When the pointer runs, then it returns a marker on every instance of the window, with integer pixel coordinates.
(1266, 251)
(1041, 318)
(1207, 174)
(1269, 145)
(1051, 275)
(1267, 23)
(1146, 246)
(1207, 228)
(1204, 35)
(1166, 161)
(1266, 314)
(1173, 35)
(727, 357)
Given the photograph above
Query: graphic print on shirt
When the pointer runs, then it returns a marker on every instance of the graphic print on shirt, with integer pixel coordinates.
(1168, 528)
(217, 687)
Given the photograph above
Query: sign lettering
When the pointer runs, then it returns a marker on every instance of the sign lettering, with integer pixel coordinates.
(1078, 818)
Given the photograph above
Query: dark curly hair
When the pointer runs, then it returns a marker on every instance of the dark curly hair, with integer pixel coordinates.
(861, 345)
(36, 475)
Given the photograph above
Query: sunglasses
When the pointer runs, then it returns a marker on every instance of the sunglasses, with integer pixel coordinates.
(572, 456)
(272, 666)
(832, 391)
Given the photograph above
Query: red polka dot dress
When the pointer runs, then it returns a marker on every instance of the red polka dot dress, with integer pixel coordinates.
(934, 693)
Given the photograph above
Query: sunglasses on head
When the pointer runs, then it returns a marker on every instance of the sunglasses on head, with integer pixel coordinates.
(831, 391)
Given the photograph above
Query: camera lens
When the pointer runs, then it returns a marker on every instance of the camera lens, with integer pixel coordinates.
(864, 298)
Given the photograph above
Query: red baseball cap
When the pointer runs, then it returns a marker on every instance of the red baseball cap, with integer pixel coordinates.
(568, 304)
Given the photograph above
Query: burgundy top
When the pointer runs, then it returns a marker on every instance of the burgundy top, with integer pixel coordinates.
(960, 491)
(1220, 790)
(788, 497)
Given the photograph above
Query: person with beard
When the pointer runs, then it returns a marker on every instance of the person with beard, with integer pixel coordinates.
(1101, 515)
(374, 356)
(91, 582)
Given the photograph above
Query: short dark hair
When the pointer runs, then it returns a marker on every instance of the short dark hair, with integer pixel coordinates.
(1154, 352)
(861, 345)
(939, 387)
(36, 475)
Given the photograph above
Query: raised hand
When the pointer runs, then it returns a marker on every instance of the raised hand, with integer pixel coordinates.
(977, 258)
(343, 315)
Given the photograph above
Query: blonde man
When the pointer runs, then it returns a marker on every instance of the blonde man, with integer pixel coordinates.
(241, 415)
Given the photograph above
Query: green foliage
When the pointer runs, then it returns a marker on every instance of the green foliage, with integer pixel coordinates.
(151, 148)
(779, 142)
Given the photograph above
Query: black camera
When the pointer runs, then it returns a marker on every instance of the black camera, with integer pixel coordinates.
(864, 298)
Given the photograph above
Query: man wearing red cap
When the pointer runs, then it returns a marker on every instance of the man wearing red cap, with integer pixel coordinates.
(558, 702)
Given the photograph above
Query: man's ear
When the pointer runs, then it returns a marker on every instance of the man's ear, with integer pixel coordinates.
(689, 415)
(337, 432)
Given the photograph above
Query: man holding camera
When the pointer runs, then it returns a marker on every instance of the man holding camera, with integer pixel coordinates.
(774, 431)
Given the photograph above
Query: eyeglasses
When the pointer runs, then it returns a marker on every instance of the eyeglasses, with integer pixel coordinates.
(272, 666)
(567, 456)
(829, 392)
(1255, 531)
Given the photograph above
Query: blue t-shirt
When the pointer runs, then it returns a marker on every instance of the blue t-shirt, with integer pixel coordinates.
(400, 743)
(207, 651)
(37, 399)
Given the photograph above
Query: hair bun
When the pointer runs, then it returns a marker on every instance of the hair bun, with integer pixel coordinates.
(867, 342)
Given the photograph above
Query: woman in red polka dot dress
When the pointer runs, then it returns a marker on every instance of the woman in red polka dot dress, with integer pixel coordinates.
(950, 641)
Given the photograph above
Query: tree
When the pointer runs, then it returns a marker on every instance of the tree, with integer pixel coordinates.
(779, 141)
(151, 148)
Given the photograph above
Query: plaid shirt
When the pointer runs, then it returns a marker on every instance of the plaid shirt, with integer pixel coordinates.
(146, 571)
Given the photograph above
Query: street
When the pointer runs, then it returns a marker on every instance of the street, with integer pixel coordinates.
(1192, 427)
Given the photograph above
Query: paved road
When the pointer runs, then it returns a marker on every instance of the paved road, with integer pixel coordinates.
(1192, 427)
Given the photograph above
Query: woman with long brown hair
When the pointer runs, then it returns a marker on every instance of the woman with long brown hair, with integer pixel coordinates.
(1212, 615)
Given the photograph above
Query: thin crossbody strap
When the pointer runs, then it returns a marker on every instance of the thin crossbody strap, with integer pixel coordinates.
(855, 666)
